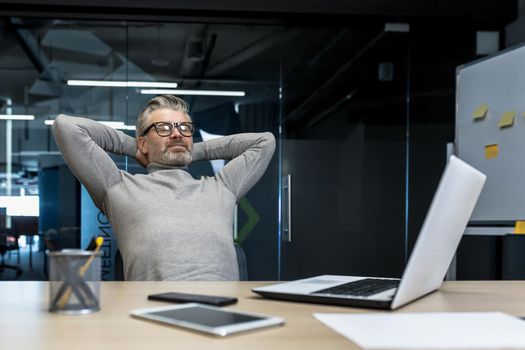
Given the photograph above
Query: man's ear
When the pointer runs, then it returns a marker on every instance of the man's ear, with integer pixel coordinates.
(142, 145)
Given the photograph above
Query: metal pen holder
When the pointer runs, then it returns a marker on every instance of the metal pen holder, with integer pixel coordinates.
(74, 280)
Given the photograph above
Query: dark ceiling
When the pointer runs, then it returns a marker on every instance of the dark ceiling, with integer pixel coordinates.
(320, 52)
(488, 11)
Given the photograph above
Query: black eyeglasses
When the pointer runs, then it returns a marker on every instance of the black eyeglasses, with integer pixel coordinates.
(165, 129)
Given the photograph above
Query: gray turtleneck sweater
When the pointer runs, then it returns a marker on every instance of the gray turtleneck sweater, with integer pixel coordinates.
(168, 225)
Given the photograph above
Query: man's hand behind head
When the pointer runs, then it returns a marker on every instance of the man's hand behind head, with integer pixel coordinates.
(141, 158)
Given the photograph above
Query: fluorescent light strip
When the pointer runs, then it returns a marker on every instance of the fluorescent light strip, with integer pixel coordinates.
(112, 124)
(117, 83)
(193, 92)
(125, 127)
(17, 117)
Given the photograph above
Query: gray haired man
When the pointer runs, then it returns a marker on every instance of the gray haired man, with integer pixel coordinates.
(168, 225)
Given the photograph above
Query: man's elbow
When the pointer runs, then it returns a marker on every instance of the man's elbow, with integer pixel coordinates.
(59, 123)
(268, 137)
(269, 140)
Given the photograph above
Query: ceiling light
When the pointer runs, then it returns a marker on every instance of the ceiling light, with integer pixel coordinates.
(17, 117)
(116, 83)
(113, 124)
(124, 127)
(131, 127)
(193, 92)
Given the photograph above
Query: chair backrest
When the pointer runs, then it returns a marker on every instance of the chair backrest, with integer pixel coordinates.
(3, 235)
(25, 225)
(3, 241)
(3, 214)
(119, 267)
(241, 262)
(239, 252)
(8, 240)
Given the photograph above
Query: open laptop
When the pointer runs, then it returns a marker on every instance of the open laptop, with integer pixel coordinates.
(449, 212)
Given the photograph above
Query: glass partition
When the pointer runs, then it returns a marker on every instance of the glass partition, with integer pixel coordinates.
(228, 74)
(344, 152)
(333, 199)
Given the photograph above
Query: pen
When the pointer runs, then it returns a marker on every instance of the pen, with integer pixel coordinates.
(92, 243)
(85, 267)
(81, 272)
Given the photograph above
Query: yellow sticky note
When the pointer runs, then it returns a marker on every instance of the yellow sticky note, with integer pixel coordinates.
(491, 151)
(519, 228)
(507, 119)
(480, 112)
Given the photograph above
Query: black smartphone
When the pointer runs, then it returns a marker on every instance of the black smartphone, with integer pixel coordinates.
(173, 297)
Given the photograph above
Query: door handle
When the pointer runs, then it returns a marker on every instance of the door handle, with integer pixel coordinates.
(286, 223)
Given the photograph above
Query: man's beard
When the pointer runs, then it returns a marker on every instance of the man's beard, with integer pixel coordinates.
(171, 158)
(175, 158)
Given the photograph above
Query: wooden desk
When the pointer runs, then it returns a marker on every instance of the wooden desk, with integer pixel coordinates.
(25, 322)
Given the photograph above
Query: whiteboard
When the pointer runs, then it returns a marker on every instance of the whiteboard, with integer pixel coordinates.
(499, 82)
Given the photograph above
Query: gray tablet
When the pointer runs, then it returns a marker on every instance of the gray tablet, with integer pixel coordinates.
(208, 319)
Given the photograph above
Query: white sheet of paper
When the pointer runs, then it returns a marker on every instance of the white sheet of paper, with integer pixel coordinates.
(472, 330)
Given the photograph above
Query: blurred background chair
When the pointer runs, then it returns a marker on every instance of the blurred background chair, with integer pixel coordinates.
(9, 242)
(26, 226)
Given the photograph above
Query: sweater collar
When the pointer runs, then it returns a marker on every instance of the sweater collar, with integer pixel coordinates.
(153, 167)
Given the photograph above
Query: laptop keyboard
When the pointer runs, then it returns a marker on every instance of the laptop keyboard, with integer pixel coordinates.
(362, 288)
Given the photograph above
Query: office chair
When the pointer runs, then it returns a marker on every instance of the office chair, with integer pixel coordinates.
(26, 226)
(241, 262)
(119, 267)
(239, 252)
(9, 242)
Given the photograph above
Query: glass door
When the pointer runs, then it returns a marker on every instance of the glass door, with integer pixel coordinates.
(343, 152)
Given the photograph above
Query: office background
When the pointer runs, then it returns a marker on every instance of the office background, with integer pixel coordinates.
(359, 94)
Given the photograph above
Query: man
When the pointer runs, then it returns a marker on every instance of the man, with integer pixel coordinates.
(168, 225)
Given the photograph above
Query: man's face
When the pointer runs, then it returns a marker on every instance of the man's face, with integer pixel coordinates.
(174, 149)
